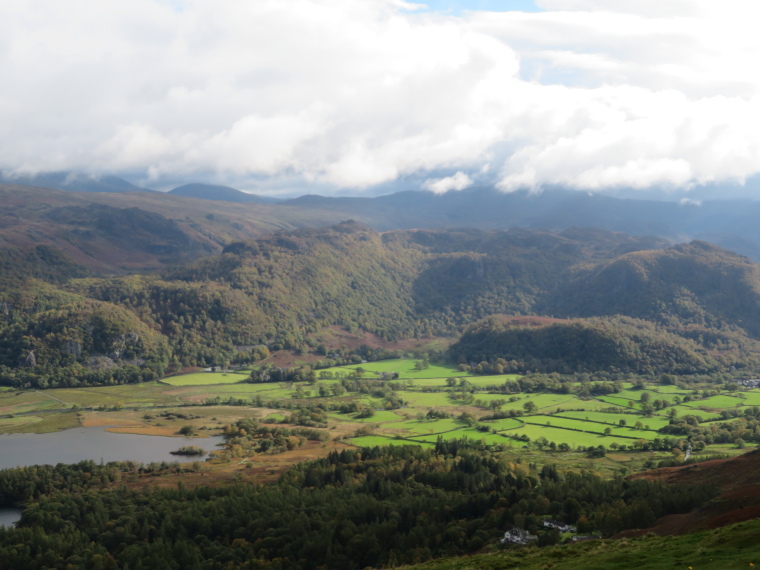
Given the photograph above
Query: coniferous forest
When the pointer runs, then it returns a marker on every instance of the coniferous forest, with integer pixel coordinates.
(370, 507)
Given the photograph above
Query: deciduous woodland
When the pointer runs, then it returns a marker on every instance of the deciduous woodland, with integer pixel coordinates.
(696, 305)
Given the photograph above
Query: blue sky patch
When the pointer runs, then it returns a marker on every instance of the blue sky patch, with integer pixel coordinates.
(456, 7)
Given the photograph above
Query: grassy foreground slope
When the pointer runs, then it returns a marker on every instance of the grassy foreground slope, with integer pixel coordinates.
(734, 546)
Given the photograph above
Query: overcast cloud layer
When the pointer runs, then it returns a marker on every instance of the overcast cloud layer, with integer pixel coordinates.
(351, 94)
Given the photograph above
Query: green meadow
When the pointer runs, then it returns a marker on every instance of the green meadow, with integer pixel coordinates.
(376, 440)
(431, 406)
(405, 368)
(717, 402)
(590, 427)
(206, 378)
(654, 422)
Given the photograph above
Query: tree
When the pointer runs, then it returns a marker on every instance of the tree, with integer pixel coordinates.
(549, 538)
(529, 407)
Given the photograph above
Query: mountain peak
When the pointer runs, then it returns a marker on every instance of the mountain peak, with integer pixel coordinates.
(217, 192)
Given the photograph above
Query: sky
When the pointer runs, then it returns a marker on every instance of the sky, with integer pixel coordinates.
(348, 96)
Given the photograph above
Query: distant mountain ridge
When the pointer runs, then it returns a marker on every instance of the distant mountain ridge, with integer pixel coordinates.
(729, 224)
(216, 192)
(74, 182)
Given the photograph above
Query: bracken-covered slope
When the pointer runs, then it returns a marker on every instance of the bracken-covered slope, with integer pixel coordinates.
(739, 498)
(720, 534)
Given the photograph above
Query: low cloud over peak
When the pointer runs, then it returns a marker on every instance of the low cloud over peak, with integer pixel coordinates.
(586, 94)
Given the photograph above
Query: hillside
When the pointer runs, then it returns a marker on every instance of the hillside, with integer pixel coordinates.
(133, 232)
(216, 192)
(734, 546)
(738, 501)
(581, 345)
(30, 217)
(288, 289)
(50, 338)
(73, 182)
(284, 288)
(690, 284)
(719, 534)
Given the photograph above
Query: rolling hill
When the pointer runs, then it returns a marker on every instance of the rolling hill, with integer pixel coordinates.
(222, 193)
(284, 290)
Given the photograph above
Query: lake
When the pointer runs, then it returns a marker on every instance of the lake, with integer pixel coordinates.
(77, 444)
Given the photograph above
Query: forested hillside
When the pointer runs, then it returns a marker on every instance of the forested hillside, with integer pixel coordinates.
(696, 302)
(355, 509)
(582, 345)
(688, 284)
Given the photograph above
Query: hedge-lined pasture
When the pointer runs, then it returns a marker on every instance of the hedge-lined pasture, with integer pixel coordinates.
(572, 438)
(717, 402)
(504, 424)
(654, 422)
(206, 378)
(378, 440)
(592, 427)
(750, 398)
(470, 433)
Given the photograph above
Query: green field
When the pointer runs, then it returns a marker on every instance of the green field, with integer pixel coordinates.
(477, 381)
(751, 398)
(428, 399)
(559, 418)
(380, 416)
(654, 422)
(717, 402)
(593, 427)
(668, 389)
(504, 424)
(405, 368)
(469, 433)
(573, 438)
(622, 402)
(206, 378)
(686, 409)
(377, 440)
(417, 427)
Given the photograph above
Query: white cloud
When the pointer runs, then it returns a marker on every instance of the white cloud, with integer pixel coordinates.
(458, 181)
(588, 93)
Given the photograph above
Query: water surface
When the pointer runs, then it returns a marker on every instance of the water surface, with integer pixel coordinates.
(77, 444)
